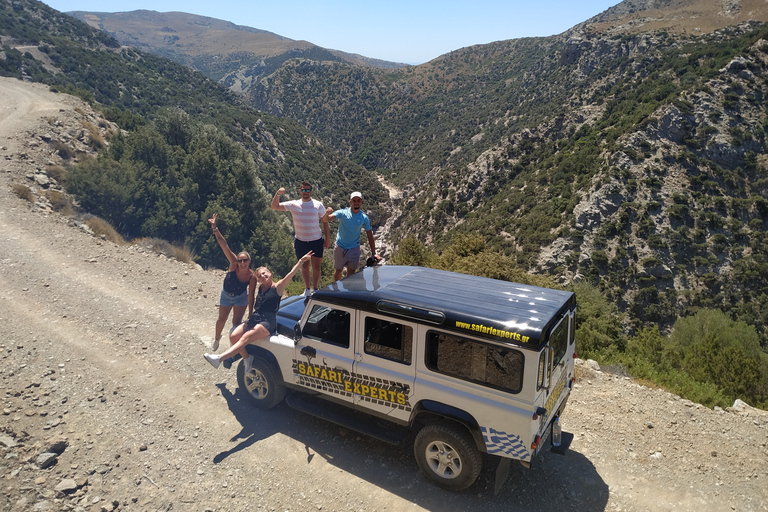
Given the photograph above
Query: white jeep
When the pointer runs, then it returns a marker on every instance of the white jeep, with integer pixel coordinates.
(470, 365)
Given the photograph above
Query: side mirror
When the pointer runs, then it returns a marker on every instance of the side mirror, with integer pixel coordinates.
(297, 332)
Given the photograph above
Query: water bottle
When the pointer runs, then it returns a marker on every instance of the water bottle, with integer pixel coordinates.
(557, 433)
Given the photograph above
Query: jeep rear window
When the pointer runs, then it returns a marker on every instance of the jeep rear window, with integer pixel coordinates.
(491, 365)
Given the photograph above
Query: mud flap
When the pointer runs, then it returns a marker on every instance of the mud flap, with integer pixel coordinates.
(502, 472)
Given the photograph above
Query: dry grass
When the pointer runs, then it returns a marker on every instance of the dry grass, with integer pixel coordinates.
(56, 172)
(101, 227)
(83, 157)
(95, 139)
(23, 192)
(182, 253)
(60, 202)
(62, 149)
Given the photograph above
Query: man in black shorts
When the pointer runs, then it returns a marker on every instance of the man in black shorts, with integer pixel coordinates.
(306, 213)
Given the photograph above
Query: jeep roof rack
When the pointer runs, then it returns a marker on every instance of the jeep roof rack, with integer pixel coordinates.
(503, 311)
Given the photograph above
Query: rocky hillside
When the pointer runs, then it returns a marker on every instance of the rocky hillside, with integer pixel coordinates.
(677, 16)
(108, 404)
(633, 159)
(683, 202)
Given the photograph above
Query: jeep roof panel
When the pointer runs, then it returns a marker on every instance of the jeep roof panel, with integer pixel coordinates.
(499, 310)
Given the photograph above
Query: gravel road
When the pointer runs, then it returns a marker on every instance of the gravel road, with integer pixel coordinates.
(107, 403)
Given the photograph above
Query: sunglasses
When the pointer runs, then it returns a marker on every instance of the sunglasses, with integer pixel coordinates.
(243, 261)
(306, 190)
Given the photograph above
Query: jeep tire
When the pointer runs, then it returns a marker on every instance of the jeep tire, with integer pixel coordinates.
(447, 455)
(262, 385)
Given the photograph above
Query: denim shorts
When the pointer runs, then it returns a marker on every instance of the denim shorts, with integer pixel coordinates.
(228, 300)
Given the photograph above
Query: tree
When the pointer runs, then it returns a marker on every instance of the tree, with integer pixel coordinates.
(410, 251)
(598, 327)
(711, 347)
(165, 180)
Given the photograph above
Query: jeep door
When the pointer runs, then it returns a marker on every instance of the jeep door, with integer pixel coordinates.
(555, 369)
(324, 356)
(385, 368)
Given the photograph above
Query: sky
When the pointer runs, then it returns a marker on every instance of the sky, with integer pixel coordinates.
(410, 32)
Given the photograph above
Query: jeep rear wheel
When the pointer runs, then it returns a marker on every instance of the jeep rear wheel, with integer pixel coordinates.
(261, 385)
(447, 455)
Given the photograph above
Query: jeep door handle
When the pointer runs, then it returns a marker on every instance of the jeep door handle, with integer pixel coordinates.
(308, 352)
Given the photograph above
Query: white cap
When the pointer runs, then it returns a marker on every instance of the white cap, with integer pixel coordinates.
(355, 194)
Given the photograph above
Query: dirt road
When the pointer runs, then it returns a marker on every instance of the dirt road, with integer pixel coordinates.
(101, 349)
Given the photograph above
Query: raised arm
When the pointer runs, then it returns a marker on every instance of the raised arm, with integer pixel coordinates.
(281, 284)
(328, 216)
(223, 244)
(276, 200)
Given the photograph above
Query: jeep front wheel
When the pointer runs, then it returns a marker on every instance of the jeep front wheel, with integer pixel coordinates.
(447, 455)
(261, 385)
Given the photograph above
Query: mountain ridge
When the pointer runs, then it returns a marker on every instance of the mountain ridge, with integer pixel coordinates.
(223, 50)
(676, 16)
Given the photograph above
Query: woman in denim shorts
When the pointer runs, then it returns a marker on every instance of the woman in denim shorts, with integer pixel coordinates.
(263, 322)
(239, 286)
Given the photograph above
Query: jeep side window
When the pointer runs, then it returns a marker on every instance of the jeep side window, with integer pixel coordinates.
(328, 325)
(558, 340)
(541, 382)
(491, 365)
(389, 340)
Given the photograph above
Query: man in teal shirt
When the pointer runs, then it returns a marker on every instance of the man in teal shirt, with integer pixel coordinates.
(347, 251)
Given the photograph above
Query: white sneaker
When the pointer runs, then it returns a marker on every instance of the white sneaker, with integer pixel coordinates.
(306, 293)
(248, 363)
(216, 343)
(214, 359)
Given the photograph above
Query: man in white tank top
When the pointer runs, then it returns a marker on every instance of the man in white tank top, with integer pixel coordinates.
(307, 214)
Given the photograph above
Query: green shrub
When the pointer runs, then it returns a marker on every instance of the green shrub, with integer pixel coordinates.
(410, 251)
(599, 257)
(599, 331)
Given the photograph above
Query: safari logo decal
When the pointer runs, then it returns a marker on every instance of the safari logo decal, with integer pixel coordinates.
(556, 392)
(492, 331)
(370, 389)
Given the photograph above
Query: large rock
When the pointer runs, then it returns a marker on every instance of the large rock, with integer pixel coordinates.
(56, 444)
(46, 460)
(66, 486)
